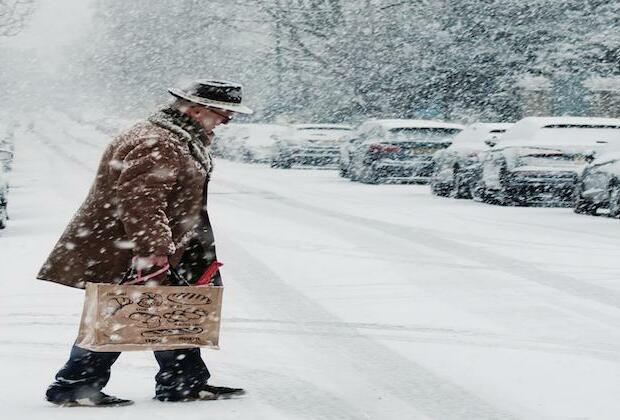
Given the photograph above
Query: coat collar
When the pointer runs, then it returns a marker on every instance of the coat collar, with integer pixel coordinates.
(189, 131)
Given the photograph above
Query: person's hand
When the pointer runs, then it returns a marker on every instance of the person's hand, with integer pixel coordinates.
(145, 263)
(152, 268)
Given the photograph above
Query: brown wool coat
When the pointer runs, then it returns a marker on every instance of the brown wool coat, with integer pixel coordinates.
(146, 199)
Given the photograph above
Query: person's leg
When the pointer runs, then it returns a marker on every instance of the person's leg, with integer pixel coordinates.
(84, 375)
(182, 373)
(183, 376)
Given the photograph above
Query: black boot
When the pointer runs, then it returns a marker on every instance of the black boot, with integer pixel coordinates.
(219, 392)
(80, 381)
(203, 393)
(182, 373)
(98, 399)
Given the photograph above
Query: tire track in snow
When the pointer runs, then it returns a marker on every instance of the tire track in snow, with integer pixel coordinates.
(564, 229)
(359, 330)
(299, 398)
(431, 239)
(398, 376)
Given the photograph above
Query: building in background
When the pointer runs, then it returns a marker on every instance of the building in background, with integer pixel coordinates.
(604, 96)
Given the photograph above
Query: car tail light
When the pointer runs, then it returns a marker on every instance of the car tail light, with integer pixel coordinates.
(386, 148)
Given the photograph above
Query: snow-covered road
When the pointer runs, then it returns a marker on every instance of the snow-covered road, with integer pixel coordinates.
(342, 301)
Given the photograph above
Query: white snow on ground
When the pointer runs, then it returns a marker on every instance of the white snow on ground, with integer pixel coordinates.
(342, 300)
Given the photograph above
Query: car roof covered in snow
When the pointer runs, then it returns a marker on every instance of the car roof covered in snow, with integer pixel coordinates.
(560, 131)
(477, 133)
(606, 157)
(610, 154)
(402, 123)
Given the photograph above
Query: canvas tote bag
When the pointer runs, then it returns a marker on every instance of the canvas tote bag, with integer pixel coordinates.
(125, 317)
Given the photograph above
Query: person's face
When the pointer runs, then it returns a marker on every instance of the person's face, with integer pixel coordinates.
(209, 118)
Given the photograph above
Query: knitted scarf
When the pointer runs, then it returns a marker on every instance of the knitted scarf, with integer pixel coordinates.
(198, 141)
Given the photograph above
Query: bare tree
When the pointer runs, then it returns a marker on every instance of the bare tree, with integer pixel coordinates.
(13, 15)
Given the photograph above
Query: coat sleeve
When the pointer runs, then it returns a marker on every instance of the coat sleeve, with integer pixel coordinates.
(149, 172)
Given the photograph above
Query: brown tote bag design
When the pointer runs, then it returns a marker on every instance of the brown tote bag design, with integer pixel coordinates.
(122, 317)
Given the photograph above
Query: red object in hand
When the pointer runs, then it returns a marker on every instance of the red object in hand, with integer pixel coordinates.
(209, 273)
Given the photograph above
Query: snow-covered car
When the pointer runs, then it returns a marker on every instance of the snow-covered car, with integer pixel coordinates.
(539, 158)
(4, 191)
(256, 142)
(599, 185)
(398, 150)
(6, 158)
(309, 144)
(457, 168)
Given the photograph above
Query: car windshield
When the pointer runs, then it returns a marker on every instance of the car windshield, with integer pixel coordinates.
(421, 133)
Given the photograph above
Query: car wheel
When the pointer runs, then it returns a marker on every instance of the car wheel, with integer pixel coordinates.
(504, 196)
(370, 176)
(439, 189)
(493, 197)
(485, 194)
(282, 164)
(582, 205)
(614, 201)
(353, 175)
(3, 217)
(354, 171)
(458, 189)
(478, 192)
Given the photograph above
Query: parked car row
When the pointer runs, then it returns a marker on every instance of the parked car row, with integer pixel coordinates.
(541, 160)
(537, 160)
(281, 146)
(6, 162)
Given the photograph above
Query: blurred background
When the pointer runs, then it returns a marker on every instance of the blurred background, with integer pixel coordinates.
(317, 60)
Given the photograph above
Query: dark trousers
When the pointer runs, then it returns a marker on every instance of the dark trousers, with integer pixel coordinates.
(181, 373)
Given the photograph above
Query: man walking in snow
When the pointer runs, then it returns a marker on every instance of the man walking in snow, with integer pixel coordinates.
(147, 208)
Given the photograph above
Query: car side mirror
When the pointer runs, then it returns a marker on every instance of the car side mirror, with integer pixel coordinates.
(490, 142)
